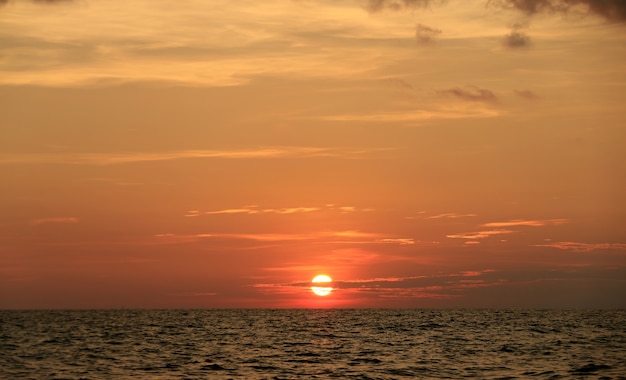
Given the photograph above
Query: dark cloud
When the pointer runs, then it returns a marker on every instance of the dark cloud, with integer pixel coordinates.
(472, 94)
(517, 38)
(526, 94)
(425, 34)
(611, 10)
(398, 5)
(398, 83)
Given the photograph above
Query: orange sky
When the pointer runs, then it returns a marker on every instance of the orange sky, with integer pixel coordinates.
(223, 153)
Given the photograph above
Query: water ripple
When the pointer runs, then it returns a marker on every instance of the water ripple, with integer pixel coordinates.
(293, 344)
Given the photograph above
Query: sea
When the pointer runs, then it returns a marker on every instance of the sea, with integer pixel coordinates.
(313, 344)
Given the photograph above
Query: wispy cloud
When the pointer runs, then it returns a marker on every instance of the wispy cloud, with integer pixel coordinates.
(401, 241)
(473, 94)
(501, 228)
(240, 42)
(319, 237)
(526, 94)
(431, 286)
(261, 237)
(231, 211)
(132, 157)
(479, 234)
(584, 247)
(397, 5)
(254, 209)
(420, 115)
(37, 222)
(355, 234)
(450, 216)
(529, 223)
(197, 294)
(4, 2)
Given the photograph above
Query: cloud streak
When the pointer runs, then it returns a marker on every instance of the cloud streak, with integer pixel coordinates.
(4, 2)
(479, 234)
(318, 237)
(432, 286)
(473, 94)
(528, 223)
(374, 6)
(526, 94)
(422, 115)
(254, 209)
(133, 157)
(37, 222)
(450, 216)
(583, 247)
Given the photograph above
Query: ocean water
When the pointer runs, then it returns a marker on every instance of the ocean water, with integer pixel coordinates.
(313, 344)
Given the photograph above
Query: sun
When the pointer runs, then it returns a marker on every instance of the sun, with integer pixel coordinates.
(325, 282)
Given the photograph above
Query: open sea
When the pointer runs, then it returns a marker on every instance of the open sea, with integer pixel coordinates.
(313, 344)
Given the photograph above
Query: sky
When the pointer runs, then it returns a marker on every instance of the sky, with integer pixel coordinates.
(221, 154)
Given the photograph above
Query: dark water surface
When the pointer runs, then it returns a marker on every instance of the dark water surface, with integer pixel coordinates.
(305, 344)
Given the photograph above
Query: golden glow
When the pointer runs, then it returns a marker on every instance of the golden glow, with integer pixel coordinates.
(222, 157)
(325, 290)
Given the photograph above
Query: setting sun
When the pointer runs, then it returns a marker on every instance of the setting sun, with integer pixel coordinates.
(325, 282)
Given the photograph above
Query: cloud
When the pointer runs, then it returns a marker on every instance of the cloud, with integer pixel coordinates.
(473, 94)
(501, 229)
(52, 1)
(323, 237)
(197, 294)
(401, 241)
(583, 247)
(395, 282)
(529, 223)
(130, 157)
(450, 216)
(265, 237)
(37, 222)
(169, 238)
(611, 10)
(517, 38)
(229, 211)
(479, 234)
(473, 273)
(398, 83)
(355, 234)
(106, 44)
(254, 209)
(434, 286)
(4, 2)
(418, 115)
(374, 6)
(425, 34)
(526, 94)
